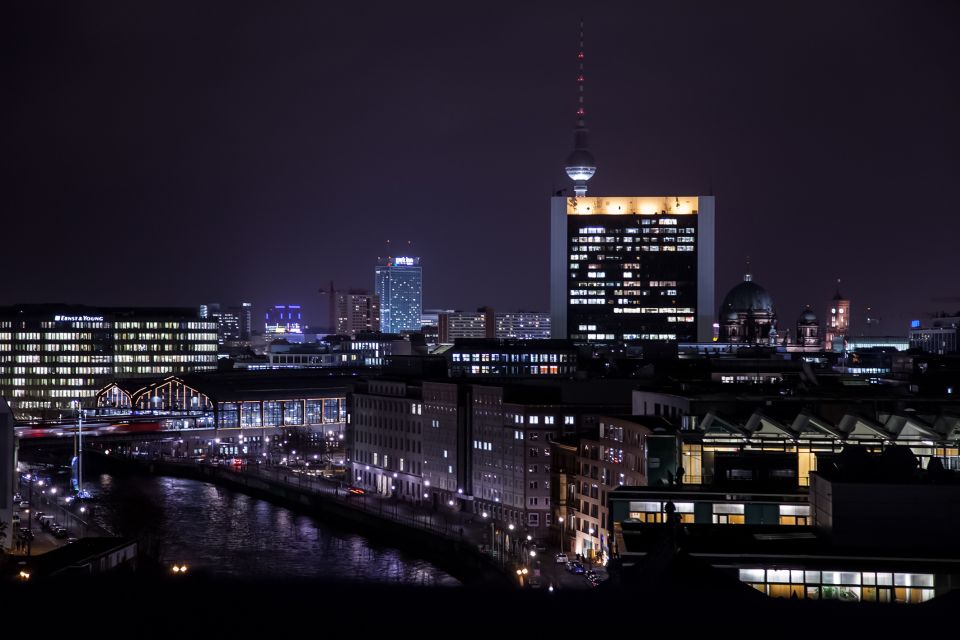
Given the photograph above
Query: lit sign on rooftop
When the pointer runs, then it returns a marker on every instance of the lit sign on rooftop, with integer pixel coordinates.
(634, 205)
(404, 261)
(78, 318)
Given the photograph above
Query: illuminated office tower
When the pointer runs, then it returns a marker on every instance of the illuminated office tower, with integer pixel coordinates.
(632, 268)
(52, 355)
(628, 267)
(399, 285)
(357, 311)
(228, 322)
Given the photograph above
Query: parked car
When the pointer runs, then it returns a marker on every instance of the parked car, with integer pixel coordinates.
(561, 558)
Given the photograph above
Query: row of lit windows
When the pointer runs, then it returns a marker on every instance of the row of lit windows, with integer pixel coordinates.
(58, 358)
(72, 394)
(167, 336)
(651, 247)
(78, 324)
(53, 370)
(70, 346)
(492, 369)
(74, 346)
(119, 370)
(49, 382)
(207, 326)
(510, 357)
(647, 311)
(66, 335)
(163, 358)
(141, 346)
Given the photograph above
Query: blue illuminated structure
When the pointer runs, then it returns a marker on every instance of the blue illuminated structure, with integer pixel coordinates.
(399, 283)
(284, 319)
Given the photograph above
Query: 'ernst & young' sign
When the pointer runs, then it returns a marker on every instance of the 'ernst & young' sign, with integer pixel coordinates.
(78, 318)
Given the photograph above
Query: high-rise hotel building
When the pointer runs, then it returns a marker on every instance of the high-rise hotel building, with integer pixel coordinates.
(52, 355)
(398, 282)
(632, 268)
(628, 268)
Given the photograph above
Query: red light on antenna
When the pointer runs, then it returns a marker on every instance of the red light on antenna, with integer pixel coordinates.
(580, 78)
(580, 111)
(580, 55)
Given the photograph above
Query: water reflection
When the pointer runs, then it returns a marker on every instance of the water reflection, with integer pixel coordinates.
(230, 534)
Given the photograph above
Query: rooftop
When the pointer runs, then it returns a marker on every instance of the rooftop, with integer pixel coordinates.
(633, 205)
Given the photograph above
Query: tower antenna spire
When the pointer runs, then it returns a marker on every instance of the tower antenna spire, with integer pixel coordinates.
(580, 165)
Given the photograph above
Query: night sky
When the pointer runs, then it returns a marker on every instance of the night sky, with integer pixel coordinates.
(167, 153)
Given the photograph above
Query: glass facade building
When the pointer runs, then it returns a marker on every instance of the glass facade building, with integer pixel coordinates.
(53, 355)
(399, 285)
(632, 268)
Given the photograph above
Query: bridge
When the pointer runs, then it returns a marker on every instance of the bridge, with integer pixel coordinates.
(107, 426)
(194, 436)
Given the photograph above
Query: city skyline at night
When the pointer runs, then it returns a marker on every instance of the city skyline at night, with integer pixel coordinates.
(324, 308)
(795, 144)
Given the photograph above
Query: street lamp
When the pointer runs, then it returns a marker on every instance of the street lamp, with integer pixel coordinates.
(562, 549)
(56, 502)
(79, 447)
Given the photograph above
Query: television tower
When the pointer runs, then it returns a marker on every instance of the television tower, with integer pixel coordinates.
(580, 165)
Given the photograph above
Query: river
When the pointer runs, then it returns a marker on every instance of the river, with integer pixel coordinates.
(231, 535)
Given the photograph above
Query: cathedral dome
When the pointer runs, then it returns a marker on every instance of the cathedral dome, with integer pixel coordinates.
(807, 317)
(747, 297)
